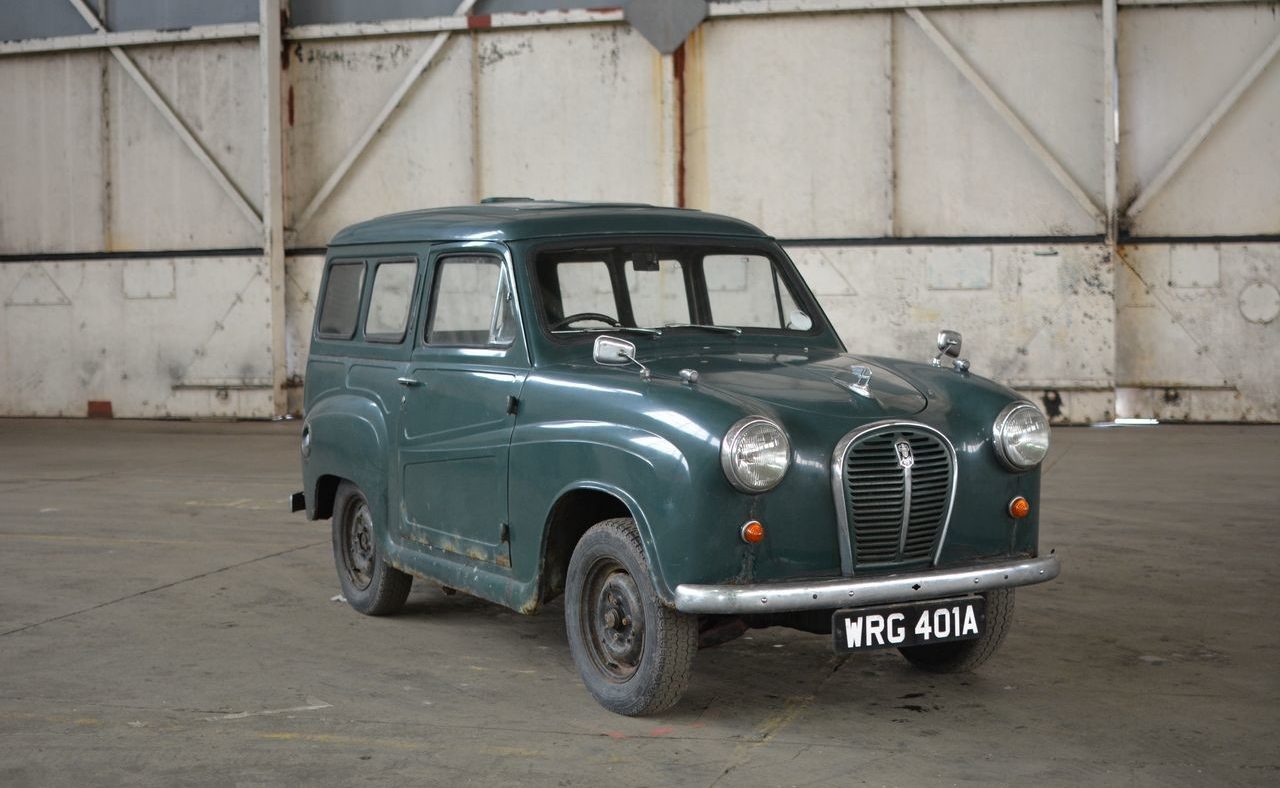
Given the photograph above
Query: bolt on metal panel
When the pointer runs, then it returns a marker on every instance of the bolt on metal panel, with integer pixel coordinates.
(121, 331)
(597, 136)
(788, 124)
(1193, 347)
(1042, 322)
(160, 196)
(421, 158)
(1176, 65)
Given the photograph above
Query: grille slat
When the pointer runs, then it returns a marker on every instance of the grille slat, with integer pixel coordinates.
(875, 493)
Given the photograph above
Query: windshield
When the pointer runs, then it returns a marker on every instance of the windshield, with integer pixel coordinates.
(667, 287)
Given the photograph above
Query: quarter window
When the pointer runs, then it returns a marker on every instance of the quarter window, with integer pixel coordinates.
(471, 304)
(389, 301)
(341, 306)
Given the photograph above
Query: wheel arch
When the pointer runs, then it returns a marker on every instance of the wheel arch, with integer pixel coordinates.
(324, 493)
(575, 510)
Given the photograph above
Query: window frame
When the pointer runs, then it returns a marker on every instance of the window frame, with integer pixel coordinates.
(505, 283)
(356, 326)
(695, 284)
(372, 265)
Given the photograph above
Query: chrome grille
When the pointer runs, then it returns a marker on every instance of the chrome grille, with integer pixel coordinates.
(896, 515)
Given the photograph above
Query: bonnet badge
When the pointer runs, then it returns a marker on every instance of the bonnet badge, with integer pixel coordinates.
(861, 376)
(859, 384)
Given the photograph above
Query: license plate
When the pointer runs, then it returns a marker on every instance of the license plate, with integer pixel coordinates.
(918, 624)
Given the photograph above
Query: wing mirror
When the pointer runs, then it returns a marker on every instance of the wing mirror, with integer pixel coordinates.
(949, 345)
(613, 352)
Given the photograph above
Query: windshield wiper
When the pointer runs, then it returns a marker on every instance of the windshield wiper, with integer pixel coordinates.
(654, 332)
(707, 327)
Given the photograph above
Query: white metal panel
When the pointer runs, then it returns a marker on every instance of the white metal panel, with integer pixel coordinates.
(156, 338)
(161, 196)
(570, 113)
(789, 123)
(1190, 346)
(51, 175)
(961, 170)
(421, 158)
(302, 288)
(1175, 66)
(1044, 323)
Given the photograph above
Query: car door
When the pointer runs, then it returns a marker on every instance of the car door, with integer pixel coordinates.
(461, 396)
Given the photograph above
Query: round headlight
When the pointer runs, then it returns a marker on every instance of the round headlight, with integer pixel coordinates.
(755, 454)
(1021, 436)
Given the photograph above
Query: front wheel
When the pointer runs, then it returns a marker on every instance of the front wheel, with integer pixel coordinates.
(368, 583)
(634, 654)
(962, 656)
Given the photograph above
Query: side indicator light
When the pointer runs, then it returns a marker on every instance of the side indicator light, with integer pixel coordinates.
(753, 532)
(1019, 508)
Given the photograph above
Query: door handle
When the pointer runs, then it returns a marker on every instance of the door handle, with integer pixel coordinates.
(409, 382)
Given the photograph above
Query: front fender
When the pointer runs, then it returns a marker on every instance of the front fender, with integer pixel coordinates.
(635, 466)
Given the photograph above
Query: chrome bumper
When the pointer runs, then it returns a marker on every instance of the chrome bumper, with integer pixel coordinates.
(860, 592)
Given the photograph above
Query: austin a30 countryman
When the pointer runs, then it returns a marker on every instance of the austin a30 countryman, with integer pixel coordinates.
(645, 410)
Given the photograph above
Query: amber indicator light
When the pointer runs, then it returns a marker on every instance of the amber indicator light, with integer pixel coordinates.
(1019, 507)
(753, 532)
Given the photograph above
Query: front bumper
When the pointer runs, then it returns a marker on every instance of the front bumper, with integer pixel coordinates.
(860, 592)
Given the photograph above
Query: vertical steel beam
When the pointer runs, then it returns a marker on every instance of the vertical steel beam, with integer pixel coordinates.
(1006, 112)
(166, 111)
(891, 133)
(270, 50)
(669, 103)
(1205, 128)
(379, 120)
(1111, 116)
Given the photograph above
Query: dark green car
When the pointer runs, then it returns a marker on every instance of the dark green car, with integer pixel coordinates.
(645, 409)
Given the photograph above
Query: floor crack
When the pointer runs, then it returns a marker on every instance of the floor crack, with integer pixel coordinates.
(152, 590)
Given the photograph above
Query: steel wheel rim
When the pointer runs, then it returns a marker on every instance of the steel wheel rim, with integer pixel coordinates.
(358, 545)
(612, 620)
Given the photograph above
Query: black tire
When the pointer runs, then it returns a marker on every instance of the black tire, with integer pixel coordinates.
(369, 585)
(634, 653)
(962, 656)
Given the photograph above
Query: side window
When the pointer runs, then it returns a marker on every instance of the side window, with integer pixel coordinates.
(471, 303)
(389, 300)
(341, 306)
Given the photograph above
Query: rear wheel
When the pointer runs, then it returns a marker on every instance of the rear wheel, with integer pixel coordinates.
(369, 585)
(634, 654)
(961, 656)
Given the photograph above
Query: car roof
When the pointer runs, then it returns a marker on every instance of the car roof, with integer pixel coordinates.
(509, 219)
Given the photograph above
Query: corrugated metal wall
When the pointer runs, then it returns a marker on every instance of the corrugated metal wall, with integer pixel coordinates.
(910, 199)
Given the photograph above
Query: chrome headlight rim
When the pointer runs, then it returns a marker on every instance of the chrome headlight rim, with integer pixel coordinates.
(998, 437)
(728, 447)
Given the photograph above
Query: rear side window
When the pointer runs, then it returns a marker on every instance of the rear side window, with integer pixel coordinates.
(389, 300)
(340, 309)
(471, 304)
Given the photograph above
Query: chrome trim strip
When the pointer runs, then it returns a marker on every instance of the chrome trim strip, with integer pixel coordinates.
(838, 458)
(906, 504)
(841, 593)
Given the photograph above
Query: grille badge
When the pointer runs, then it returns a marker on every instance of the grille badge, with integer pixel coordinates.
(905, 457)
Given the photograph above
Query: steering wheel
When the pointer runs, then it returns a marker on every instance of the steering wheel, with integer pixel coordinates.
(571, 319)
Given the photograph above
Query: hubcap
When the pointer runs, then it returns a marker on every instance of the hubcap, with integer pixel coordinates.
(357, 545)
(614, 620)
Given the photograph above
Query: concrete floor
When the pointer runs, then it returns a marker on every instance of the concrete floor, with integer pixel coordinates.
(164, 622)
